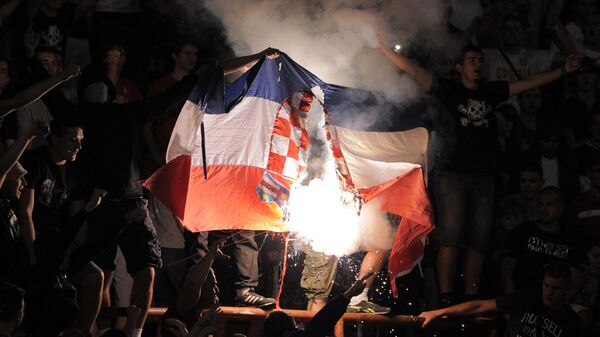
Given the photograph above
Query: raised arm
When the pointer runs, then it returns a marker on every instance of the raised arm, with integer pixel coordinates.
(8, 7)
(422, 76)
(464, 309)
(571, 65)
(34, 92)
(189, 294)
(232, 65)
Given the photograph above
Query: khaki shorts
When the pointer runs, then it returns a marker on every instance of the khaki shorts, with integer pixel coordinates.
(318, 273)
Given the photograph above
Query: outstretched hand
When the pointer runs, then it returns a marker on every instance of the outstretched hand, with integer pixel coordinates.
(215, 248)
(357, 287)
(71, 70)
(271, 53)
(208, 324)
(95, 199)
(572, 63)
(429, 316)
(39, 129)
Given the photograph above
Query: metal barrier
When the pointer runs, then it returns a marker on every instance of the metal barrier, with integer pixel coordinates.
(256, 317)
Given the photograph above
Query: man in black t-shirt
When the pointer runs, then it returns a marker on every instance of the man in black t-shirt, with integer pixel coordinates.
(55, 193)
(532, 245)
(464, 180)
(530, 314)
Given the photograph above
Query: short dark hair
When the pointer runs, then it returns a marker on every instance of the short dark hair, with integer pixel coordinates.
(552, 190)
(558, 270)
(11, 298)
(467, 49)
(52, 50)
(180, 42)
(531, 167)
(63, 122)
(278, 323)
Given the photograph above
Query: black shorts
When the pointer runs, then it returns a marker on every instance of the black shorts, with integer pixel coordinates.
(137, 240)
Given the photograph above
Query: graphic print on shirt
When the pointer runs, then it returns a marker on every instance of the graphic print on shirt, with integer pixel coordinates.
(50, 196)
(539, 245)
(475, 113)
(529, 324)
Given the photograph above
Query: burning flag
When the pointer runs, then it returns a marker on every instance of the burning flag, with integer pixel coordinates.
(237, 153)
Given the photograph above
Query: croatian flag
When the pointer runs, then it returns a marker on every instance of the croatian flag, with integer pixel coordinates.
(235, 151)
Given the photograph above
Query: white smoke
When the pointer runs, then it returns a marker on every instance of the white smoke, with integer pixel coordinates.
(334, 39)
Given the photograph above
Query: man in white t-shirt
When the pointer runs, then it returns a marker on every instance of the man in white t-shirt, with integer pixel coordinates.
(513, 61)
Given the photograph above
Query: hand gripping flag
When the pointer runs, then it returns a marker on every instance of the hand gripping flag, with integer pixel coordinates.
(235, 152)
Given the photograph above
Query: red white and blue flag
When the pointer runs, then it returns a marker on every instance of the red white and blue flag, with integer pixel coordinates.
(235, 171)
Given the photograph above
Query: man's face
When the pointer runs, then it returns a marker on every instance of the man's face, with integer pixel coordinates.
(510, 220)
(4, 78)
(115, 57)
(512, 34)
(549, 146)
(594, 257)
(553, 291)
(471, 66)
(51, 62)
(549, 208)
(187, 57)
(11, 189)
(530, 184)
(586, 79)
(54, 4)
(69, 144)
(530, 101)
(591, 30)
(584, 7)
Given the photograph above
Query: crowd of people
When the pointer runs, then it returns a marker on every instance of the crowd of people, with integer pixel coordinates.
(90, 91)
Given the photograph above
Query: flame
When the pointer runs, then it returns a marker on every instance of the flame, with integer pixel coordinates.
(321, 211)
(321, 214)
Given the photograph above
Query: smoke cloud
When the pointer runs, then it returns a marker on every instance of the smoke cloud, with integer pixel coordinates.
(335, 39)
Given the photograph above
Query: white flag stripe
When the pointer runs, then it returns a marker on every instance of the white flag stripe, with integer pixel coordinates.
(183, 137)
(374, 158)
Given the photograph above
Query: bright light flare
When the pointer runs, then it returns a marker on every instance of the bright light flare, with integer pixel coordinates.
(324, 215)
(397, 48)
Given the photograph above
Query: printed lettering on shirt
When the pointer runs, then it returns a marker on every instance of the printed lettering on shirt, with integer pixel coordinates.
(549, 327)
(475, 113)
(538, 245)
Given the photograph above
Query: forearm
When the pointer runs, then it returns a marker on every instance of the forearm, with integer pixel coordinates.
(12, 154)
(464, 309)
(30, 94)
(192, 286)
(232, 65)
(28, 237)
(422, 76)
(535, 81)
(322, 323)
(9, 7)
